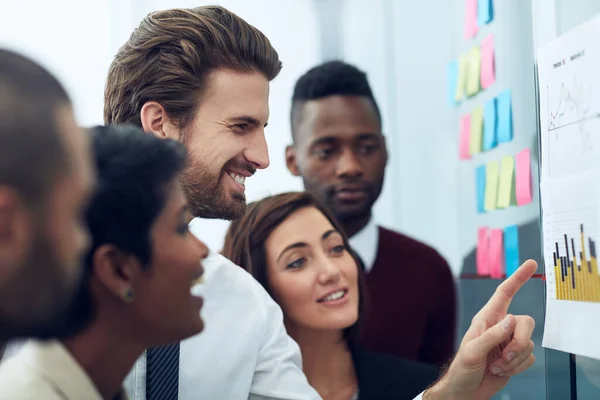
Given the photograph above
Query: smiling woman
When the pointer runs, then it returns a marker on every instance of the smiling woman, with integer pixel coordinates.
(312, 276)
(138, 274)
(293, 246)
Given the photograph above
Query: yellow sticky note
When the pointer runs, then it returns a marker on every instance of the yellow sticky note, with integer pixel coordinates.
(491, 186)
(507, 169)
(463, 62)
(475, 140)
(473, 71)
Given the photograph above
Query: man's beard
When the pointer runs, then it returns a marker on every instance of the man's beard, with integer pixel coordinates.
(206, 194)
(39, 303)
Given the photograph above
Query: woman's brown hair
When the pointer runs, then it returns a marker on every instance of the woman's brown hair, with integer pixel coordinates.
(246, 237)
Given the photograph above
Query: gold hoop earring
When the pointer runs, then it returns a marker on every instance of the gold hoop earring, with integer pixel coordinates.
(128, 296)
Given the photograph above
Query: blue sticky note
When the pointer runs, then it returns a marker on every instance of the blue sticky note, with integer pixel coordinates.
(511, 249)
(452, 82)
(485, 12)
(480, 180)
(490, 139)
(505, 123)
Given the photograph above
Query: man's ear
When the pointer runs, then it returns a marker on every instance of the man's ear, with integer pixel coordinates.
(155, 120)
(116, 271)
(16, 229)
(291, 161)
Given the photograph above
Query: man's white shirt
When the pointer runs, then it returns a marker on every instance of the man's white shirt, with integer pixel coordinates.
(366, 244)
(244, 351)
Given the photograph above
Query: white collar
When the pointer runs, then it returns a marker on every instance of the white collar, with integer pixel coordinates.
(210, 231)
(53, 360)
(365, 243)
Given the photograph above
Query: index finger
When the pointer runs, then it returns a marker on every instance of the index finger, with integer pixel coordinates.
(505, 292)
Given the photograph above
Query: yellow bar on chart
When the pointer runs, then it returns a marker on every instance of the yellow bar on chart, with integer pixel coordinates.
(576, 270)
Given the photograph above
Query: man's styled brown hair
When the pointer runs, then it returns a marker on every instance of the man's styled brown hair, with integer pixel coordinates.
(169, 56)
(246, 237)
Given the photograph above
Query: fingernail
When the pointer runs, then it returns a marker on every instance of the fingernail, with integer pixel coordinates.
(496, 370)
(506, 323)
(510, 356)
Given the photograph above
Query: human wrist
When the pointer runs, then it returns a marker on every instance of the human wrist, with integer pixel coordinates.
(443, 389)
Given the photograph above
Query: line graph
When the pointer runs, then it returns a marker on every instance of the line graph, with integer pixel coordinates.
(555, 128)
(572, 105)
(571, 142)
(569, 126)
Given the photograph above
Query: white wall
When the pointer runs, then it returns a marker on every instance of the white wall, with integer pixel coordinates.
(571, 13)
(77, 40)
(365, 45)
(404, 48)
(74, 47)
(404, 57)
(426, 147)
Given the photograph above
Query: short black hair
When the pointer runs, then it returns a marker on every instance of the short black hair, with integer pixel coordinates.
(33, 153)
(332, 78)
(134, 169)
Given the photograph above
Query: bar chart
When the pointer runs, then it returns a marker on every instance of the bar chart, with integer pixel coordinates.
(576, 272)
(571, 232)
(569, 126)
(571, 229)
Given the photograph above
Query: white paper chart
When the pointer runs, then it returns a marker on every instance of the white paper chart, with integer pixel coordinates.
(571, 231)
(569, 88)
(569, 111)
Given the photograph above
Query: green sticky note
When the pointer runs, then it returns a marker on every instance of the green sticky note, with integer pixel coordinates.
(463, 64)
(473, 71)
(491, 186)
(505, 187)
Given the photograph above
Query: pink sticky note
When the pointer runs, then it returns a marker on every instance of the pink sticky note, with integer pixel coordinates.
(470, 18)
(465, 137)
(481, 254)
(496, 254)
(523, 177)
(488, 75)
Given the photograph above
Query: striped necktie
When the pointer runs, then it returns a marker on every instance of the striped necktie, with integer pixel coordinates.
(162, 373)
